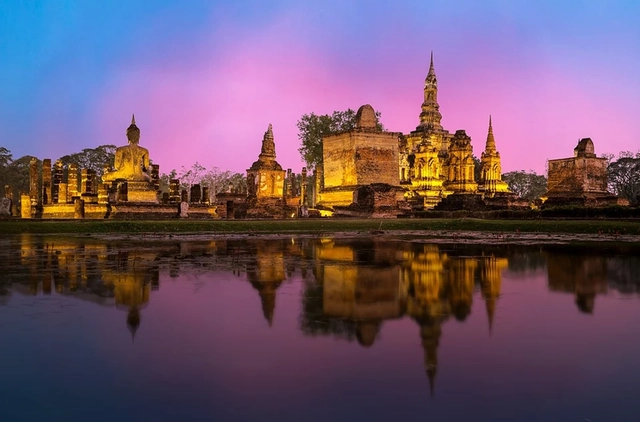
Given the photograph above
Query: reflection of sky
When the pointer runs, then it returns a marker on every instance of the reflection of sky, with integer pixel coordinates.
(206, 77)
(204, 351)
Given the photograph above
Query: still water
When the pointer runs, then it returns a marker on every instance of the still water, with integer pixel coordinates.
(310, 329)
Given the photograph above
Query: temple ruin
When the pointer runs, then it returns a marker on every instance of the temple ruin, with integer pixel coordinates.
(360, 168)
(365, 172)
(128, 189)
(271, 190)
(579, 180)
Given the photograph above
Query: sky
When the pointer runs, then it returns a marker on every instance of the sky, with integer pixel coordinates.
(205, 78)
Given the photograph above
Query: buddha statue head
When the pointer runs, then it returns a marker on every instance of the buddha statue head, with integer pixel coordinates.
(133, 132)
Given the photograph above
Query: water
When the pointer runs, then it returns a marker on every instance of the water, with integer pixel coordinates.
(309, 329)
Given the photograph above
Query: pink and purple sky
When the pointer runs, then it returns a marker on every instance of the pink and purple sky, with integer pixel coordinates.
(205, 78)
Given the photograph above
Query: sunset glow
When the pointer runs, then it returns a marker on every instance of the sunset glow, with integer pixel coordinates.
(205, 78)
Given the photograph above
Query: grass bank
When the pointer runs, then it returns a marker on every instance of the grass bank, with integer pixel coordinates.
(317, 226)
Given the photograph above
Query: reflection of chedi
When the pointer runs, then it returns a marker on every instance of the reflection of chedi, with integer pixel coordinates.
(266, 274)
(131, 290)
(132, 161)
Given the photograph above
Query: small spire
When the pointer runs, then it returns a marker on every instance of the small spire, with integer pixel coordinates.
(431, 81)
(491, 142)
(133, 119)
(432, 70)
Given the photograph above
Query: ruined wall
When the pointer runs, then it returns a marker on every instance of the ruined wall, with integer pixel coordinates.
(265, 183)
(577, 175)
(360, 158)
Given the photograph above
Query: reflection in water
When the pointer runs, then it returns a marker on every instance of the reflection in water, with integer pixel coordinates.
(349, 287)
(362, 284)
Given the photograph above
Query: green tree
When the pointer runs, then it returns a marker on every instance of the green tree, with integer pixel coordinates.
(17, 175)
(477, 168)
(95, 159)
(624, 176)
(527, 185)
(312, 127)
(164, 179)
(6, 158)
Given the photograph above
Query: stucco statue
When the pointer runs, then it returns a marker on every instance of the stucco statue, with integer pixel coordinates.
(131, 162)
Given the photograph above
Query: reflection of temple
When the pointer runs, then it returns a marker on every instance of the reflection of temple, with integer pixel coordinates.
(366, 294)
(93, 272)
(584, 276)
(131, 284)
(368, 283)
(266, 272)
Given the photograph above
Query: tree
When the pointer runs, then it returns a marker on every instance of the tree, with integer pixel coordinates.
(527, 185)
(16, 174)
(222, 181)
(164, 180)
(624, 176)
(95, 159)
(477, 168)
(6, 158)
(191, 176)
(312, 128)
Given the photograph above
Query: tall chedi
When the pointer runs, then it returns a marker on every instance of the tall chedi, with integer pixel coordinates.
(422, 150)
(491, 181)
(430, 116)
(265, 182)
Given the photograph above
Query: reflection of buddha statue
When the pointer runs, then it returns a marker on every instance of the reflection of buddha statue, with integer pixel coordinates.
(131, 162)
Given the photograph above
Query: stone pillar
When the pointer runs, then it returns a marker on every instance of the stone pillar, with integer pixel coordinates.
(62, 193)
(8, 192)
(78, 211)
(72, 183)
(184, 197)
(303, 187)
(155, 177)
(317, 185)
(46, 182)
(184, 209)
(195, 194)
(25, 206)
(58, 171)
(205, 195)
(103, 193)
(174, 191)
(33, 182)
(87, 182)
(288, 187)
(122, 194)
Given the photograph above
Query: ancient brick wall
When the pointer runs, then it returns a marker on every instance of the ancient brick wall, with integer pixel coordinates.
(360, 158)
(577, 175)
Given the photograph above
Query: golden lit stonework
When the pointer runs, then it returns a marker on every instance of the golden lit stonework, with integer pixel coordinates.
(358, 158)
(131, 172)
(491, 181)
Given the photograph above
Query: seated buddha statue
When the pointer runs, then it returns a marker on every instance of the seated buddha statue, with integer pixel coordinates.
(131, 162)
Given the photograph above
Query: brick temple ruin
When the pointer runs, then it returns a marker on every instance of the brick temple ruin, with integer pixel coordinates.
(369, 172)
(127, 190)
(579, 180)
(365, 172)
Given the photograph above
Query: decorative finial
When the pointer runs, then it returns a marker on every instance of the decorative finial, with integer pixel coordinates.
(491, 142)
(431, 65)
(133, 119)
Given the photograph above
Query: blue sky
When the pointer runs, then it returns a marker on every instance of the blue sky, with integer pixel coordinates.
(206, 78)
